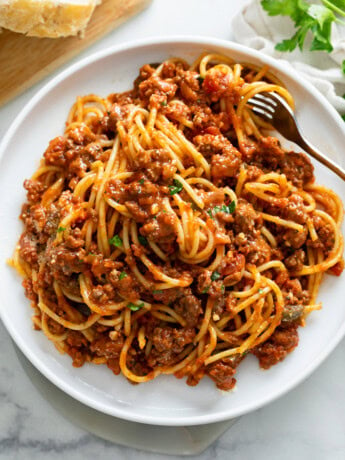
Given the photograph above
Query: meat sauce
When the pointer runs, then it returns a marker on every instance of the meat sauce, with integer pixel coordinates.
(212, 134)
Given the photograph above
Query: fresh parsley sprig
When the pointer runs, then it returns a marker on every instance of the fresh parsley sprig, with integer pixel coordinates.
(308, 17)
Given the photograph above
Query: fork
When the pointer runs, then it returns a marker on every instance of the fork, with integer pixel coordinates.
(272, 108)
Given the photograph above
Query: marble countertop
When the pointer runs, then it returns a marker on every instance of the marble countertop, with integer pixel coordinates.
(308, 423)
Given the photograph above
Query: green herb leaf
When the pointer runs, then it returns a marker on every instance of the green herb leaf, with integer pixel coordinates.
(205, 291)
(292, 8)
(232, 207)
(134, 306)
(343, 67)
(215, 276)
(61, 229)
(116, 241)
(141, 181)
(122, 275)
(142, 240)
(164, 103)
(308, 17)
(228, 209)
(176, 188)
(158, 291)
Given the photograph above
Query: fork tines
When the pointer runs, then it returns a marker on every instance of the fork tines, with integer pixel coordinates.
(264, 104)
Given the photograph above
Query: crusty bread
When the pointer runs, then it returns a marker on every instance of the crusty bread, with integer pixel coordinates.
(46, 18)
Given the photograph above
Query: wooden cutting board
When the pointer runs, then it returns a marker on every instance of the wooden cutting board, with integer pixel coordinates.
(26, 60)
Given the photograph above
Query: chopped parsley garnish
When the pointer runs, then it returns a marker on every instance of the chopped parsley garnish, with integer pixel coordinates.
(61, 229)
(222, 288)
(142, 240)
(176, 188)
(134, 306)
(228, 209)
(141, 181)
(215, 276)
(205, 291)
(158, 291)
(164, 103)
(122, 275)
(116, 241)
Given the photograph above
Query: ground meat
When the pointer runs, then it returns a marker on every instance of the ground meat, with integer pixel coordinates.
(162, 229)
(28, 248)
(337, 269)
(169, 338)
(169, 296)
(253, 173)
(296, 166)
(293, 238)
(29, 290)
(104, 346)
(222, 373)
(177, 111)
(188, 85)
(204, 282)
(256, 250)
(325, 235)
(103, 294)
(75, 151)
(81, 135)
(142, 198)
(77, 347)
(225, 158)
(56, 151)
(168, 343)
(62, 261)
(157, 164)
(155, 85)
(189, 307)
(296, 261)
(226, 165)
(245, 217)
(275, 349)
(293, 293)
(125, 284)
(218, 83)
(295, 209)
(232, 267)
(214, 198)
(34, 190)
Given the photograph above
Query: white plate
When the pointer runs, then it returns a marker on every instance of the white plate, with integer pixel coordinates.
(165, 401)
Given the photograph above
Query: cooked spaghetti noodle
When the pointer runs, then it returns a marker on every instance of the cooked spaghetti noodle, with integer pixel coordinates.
(166, 233)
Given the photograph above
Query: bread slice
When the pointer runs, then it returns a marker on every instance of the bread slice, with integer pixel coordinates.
(46, 18)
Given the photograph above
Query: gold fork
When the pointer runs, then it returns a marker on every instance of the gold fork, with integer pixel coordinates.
(275, 110)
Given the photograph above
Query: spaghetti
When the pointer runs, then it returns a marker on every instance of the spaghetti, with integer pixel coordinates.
(166, 233)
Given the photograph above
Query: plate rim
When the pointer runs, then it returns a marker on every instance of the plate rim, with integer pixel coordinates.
(279, 65)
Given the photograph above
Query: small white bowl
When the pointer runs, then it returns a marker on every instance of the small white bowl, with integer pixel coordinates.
(166, 400)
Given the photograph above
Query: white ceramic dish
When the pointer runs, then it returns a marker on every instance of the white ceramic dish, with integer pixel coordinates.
(165, 401)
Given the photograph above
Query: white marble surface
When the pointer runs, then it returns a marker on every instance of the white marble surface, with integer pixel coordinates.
(308, 423)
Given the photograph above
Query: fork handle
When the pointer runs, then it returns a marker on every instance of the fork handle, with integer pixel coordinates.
(321, 157)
